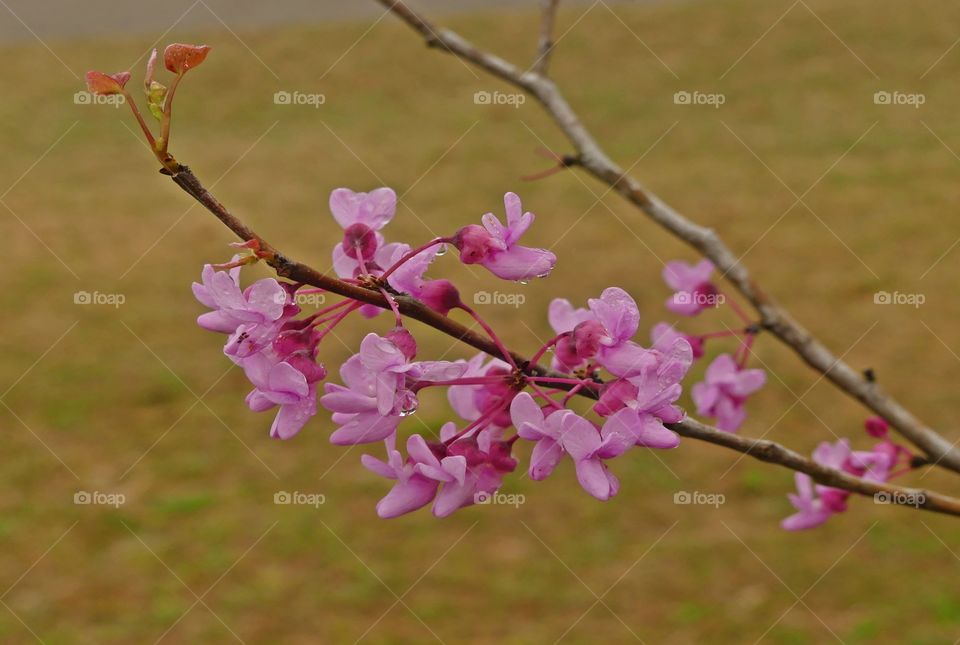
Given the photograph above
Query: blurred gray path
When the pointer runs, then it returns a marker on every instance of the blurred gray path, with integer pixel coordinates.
(25, 20)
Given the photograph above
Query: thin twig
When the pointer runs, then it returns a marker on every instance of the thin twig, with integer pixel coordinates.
(774, 317)
(548, 17)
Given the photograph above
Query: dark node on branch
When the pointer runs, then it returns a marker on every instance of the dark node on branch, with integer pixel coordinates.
(563, 162)
(870, 375)
(753, 329)
(919, 461)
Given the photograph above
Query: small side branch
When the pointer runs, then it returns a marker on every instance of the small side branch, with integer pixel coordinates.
(548, 17)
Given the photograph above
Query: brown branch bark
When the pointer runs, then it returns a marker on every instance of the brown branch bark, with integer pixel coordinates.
(759, 449)
(774, 317)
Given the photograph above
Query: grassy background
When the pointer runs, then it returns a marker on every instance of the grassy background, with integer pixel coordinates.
(112, 405)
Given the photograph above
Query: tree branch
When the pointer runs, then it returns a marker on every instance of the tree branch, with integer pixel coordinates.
(548, 10)
(774, 317)
(759, 449)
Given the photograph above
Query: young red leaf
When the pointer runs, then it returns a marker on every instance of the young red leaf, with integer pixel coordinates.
(178, 58)
(100, 83)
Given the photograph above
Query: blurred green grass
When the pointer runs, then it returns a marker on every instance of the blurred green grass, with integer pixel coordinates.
(116, 398)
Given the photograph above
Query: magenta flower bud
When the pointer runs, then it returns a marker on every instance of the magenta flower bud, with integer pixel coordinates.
(566, 351)
(877, 427)
(311, 370)
(474, 243)
(587, 336)
(696, 343)
(359, 239)
(404, 341)
(440, 295)
(501, 458)
(835, 499)
(469, 450)
(614, 397)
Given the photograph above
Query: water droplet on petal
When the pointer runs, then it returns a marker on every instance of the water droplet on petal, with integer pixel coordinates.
(523, 281)
(543, 275)
(441, 250)
(409, 405)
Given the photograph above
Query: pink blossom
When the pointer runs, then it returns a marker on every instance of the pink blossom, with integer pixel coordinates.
(261, 302)
(639, 405)
(282, 384)
(412, 489)
(693, 290)
(565, 432)
(606, 337)
(664, 334)
(815, 504)
(377, 391)
(564, 318)
(470, 401)
(461, 473)
(724, 391)
(354, 406)
(495, 246)
(811, 510)
(374, 209)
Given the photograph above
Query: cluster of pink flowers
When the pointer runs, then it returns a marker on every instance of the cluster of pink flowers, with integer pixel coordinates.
(816, 503)
(727, 383)
(277, 346)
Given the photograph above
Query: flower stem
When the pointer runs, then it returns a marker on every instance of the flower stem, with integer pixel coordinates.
(336, 321)
(507, 356)
(468, 380)
(413, 253)
(543, 350)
